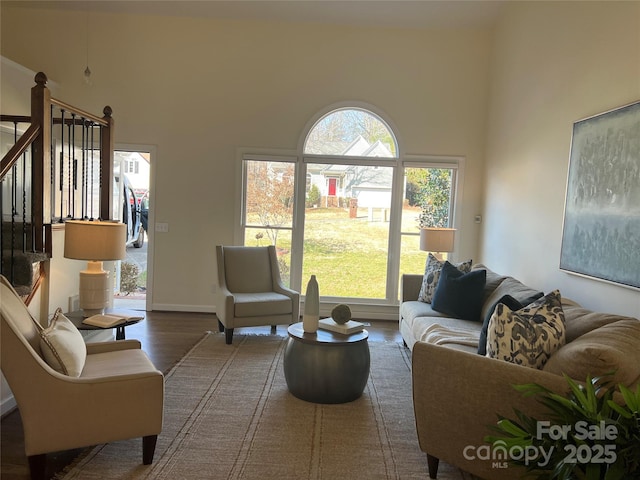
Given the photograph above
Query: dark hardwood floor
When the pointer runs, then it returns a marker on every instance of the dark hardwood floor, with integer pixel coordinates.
(166, 337)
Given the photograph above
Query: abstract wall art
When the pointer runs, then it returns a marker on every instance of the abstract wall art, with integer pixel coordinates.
(601, 231)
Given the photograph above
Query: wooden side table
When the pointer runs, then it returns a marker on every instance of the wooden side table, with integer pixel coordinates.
(326, 367)
(77, 317)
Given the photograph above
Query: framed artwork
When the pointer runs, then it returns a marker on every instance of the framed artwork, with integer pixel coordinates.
(601, 231)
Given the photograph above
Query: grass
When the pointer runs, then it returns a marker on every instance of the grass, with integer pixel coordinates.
(347, 255)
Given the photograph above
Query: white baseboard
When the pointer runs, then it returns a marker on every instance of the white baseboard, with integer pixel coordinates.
(370, 312)
(169, 307)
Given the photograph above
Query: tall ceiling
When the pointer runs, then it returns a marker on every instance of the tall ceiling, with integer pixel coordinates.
(385, 13)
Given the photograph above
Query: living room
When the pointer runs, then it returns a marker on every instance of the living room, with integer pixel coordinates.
(502, 94)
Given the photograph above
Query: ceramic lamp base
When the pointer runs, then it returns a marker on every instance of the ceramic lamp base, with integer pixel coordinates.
(94, 289)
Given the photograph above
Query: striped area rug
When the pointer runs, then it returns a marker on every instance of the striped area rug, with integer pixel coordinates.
(229, 415)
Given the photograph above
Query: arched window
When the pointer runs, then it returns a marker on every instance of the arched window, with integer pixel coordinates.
(351, 215)
(350, 154)
(351, 132)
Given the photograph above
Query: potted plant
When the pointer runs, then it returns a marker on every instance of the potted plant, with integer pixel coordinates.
(593, 433)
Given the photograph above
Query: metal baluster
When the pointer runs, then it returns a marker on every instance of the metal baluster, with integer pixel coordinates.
(74, 172)
(92, 168)
(83, 188)
(61, 175)
(69, 173)
(52, 169)
(14, 200)
(24, 206)
(100, 169)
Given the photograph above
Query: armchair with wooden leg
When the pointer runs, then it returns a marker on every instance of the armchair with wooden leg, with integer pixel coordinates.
(72, 395)
(250, 290)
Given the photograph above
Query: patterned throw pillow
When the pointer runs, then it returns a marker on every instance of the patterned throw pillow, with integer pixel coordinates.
(432, 275)
(62, 346)
(528, 336)
(513, 304)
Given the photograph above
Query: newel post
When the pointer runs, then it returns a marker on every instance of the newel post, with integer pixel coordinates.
(106, 166)
(41, 168)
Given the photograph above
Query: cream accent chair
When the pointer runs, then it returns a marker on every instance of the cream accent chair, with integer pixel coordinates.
(250, 290)
(118, 395)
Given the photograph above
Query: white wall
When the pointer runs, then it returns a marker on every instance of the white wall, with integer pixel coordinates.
(553, 63)
(198, 89)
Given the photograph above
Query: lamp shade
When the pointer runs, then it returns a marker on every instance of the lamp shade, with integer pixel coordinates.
(94, 240)
(437, 239)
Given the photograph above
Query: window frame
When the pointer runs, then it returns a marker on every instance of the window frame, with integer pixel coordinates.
(371, 308)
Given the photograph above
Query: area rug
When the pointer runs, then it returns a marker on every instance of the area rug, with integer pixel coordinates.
(229, 415)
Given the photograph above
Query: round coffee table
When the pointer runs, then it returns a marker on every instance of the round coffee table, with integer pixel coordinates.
(326, 367)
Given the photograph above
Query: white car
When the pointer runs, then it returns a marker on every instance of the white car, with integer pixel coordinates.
(131, 215)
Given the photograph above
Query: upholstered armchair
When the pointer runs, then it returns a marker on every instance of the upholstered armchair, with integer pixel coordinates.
(250, 291)
(108, 391)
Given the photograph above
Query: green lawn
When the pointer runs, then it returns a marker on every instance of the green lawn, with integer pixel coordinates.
(347, 255)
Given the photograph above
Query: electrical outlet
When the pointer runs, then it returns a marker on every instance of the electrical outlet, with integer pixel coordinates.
(214, 288)
(74, 303)
(162, 227)
(478, 219)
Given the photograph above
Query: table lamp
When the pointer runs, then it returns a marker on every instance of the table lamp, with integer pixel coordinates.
(437, 240)
(94, 241)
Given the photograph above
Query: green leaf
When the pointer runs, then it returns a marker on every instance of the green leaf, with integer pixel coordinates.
(512, 428)
(630, 398)
(620, 409)
(530, 389)
(578, 392)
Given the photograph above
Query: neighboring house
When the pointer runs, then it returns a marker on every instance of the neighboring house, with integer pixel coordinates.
(338, 184)
(136, 167)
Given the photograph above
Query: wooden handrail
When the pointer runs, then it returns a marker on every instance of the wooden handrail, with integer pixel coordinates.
(16, 151)
(15, 118)
(82, 113)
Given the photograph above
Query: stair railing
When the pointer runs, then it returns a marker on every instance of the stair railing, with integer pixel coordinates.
(59, 167)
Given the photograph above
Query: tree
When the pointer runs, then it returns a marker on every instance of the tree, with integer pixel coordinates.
(270, 187)
(431, 189)
(337, 130)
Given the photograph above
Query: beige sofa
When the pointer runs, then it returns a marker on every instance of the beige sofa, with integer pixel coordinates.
(458, 393)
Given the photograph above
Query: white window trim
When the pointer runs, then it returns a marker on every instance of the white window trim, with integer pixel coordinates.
(369, 308)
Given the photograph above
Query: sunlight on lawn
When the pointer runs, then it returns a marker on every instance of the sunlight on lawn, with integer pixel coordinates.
(347, 255)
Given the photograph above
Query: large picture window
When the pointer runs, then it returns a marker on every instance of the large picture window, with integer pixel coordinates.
(347, 208)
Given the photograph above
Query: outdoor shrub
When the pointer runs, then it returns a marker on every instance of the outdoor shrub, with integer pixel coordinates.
(128, 277)
(313, 197)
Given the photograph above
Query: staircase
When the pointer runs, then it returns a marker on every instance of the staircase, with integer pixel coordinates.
(18, 263)
(59, 167)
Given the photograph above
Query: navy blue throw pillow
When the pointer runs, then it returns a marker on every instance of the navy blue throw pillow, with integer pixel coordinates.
(459, 294)
(507, 300)
(513, 304)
